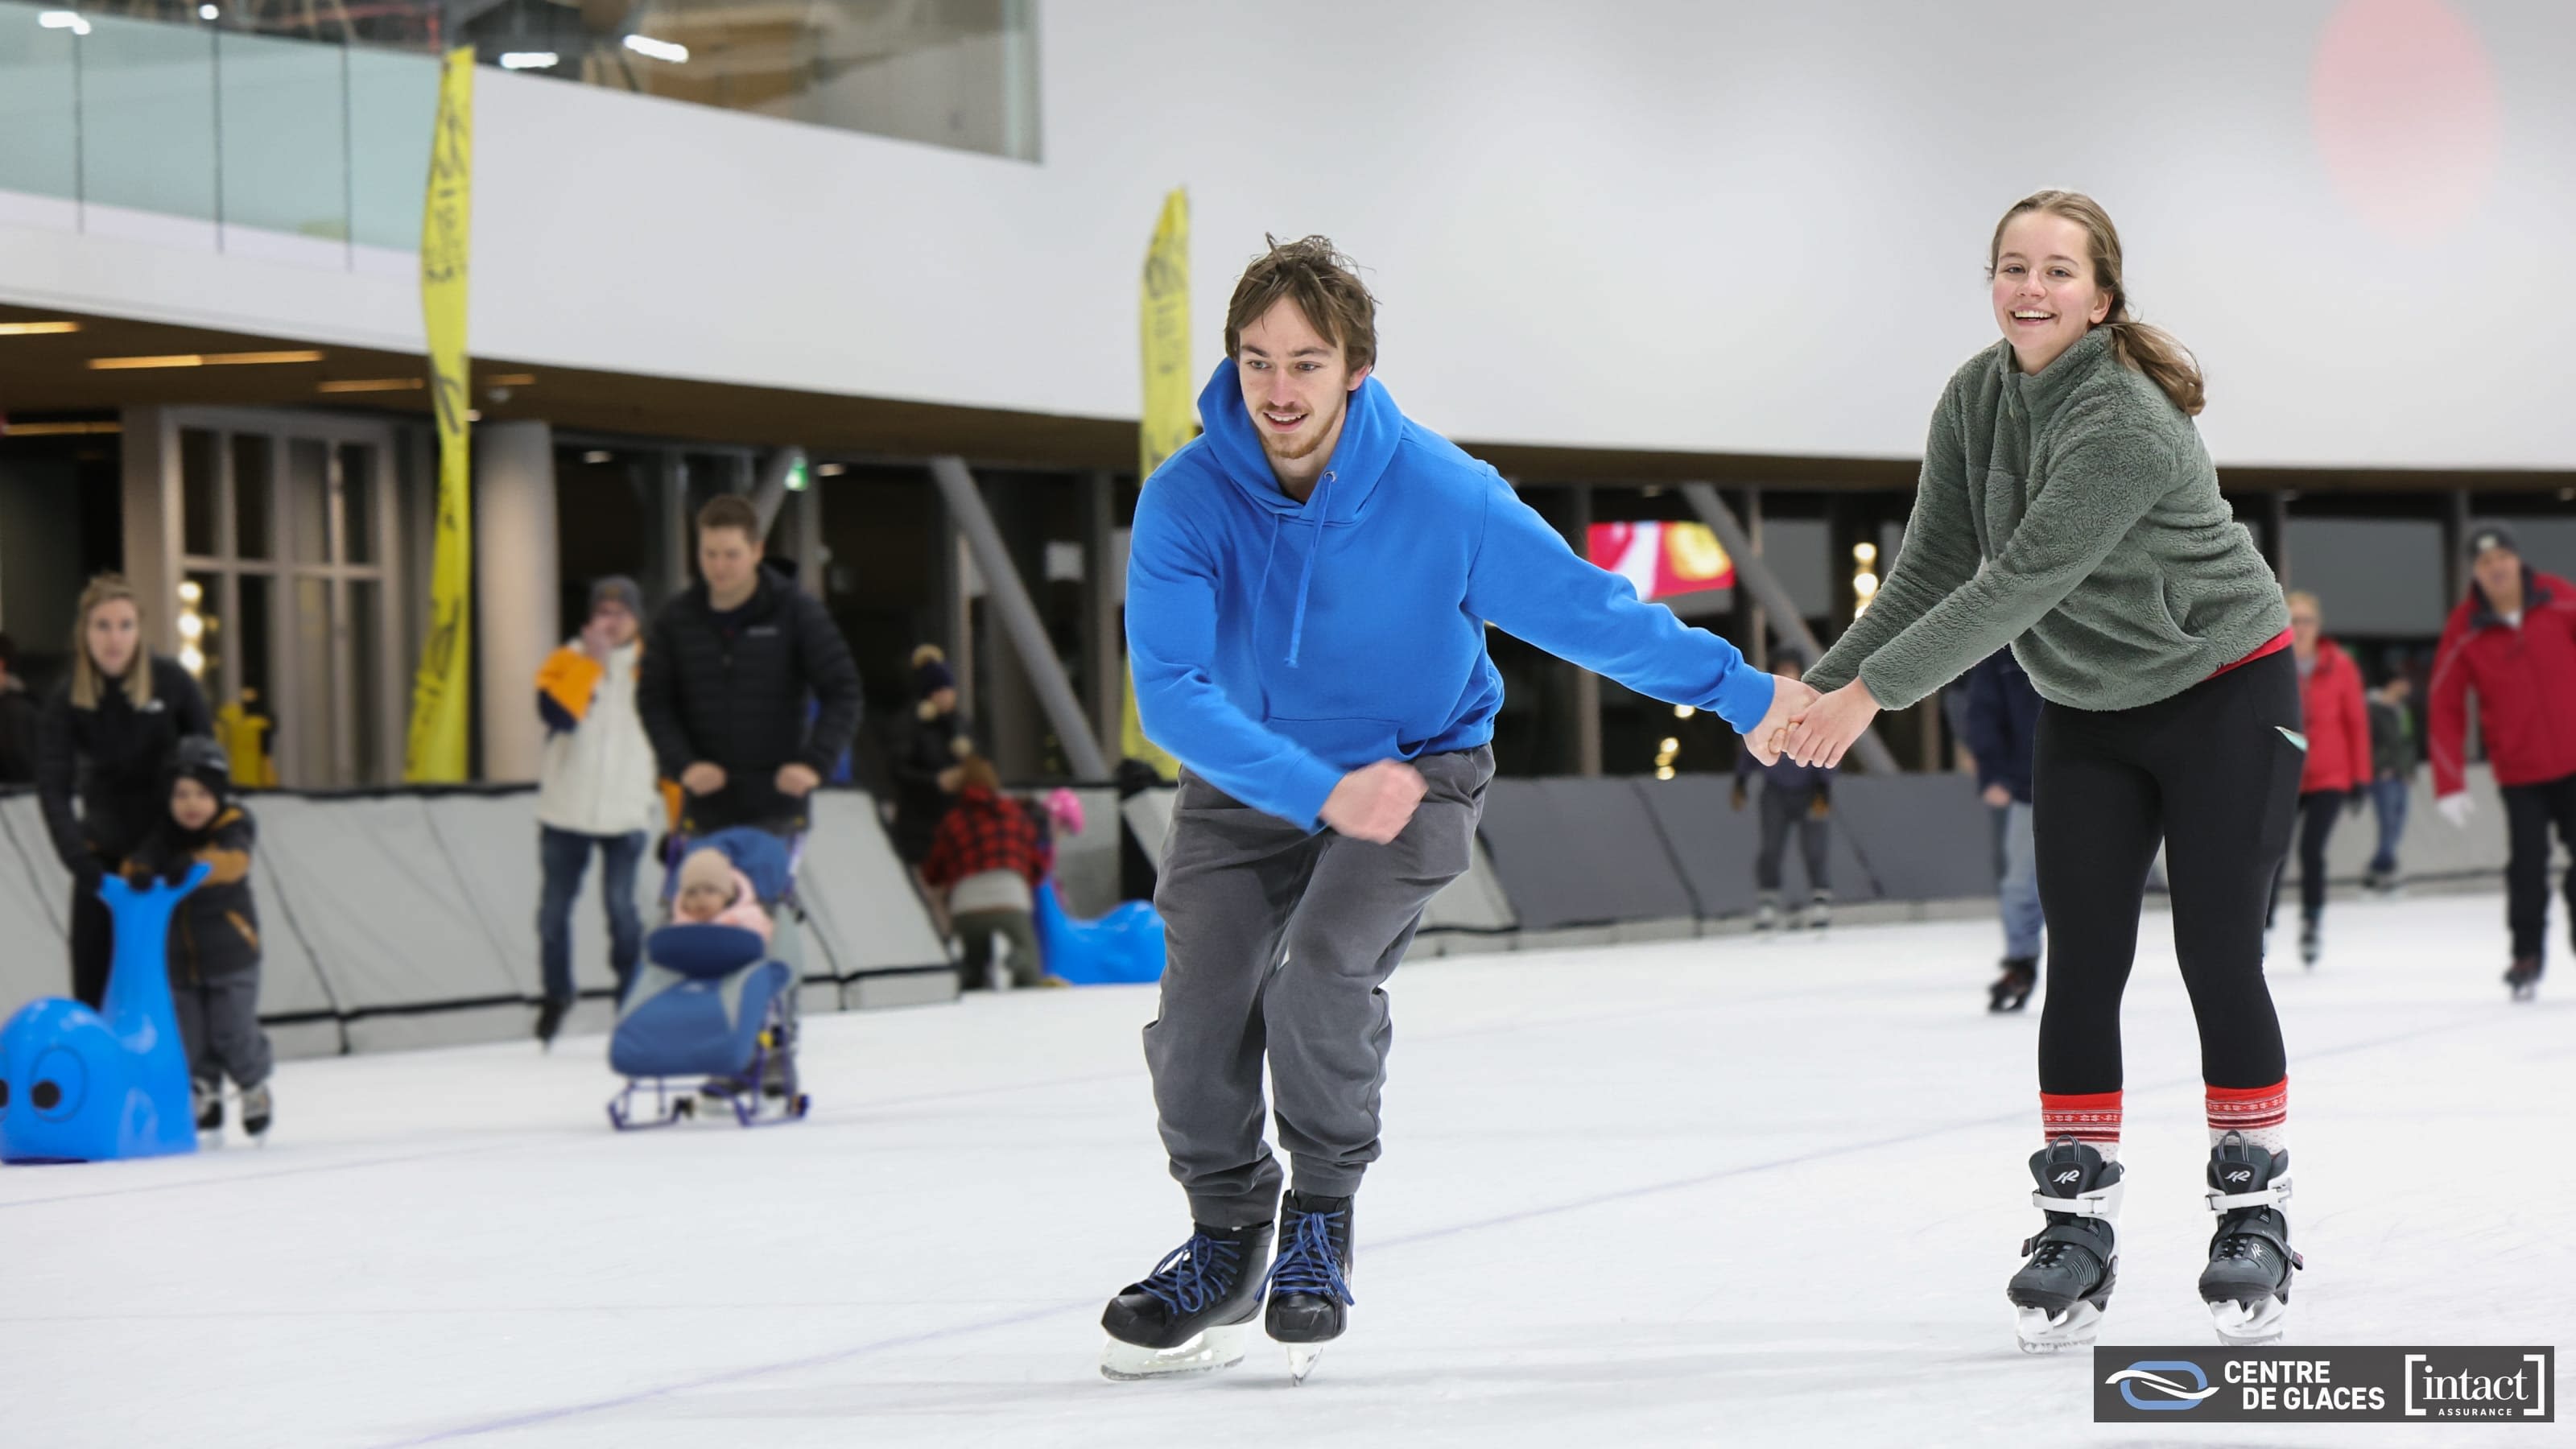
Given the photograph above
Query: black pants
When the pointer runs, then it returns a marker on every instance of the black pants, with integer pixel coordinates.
(2212, 773)
(93, 947)
(2529, 811)
(1782, 809)
(2318, 810)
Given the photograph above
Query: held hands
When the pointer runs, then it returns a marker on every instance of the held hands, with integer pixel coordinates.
(2457, 807)
(703, 779)
(1820, 733)
(1374, 802)
(1789, 698)
(796, 781)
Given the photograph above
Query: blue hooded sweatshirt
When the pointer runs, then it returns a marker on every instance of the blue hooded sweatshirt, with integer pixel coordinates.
(1279, 645)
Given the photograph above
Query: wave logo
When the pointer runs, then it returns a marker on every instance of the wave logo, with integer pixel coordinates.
(2163, 1394)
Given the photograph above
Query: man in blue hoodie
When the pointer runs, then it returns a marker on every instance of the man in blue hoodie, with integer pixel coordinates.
(1307, 597)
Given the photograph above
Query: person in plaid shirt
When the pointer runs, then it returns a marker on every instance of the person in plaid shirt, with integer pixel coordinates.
(985, 866)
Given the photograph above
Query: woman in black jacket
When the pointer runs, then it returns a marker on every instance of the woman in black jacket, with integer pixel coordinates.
(104, 738)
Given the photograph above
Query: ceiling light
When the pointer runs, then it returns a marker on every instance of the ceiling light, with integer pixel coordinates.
(190, 591)
(201, 359)
(210, 12)
(511, 379)
(530, 60)
(373, 384)
(829, 470)
(36, 329)
(191, 660)
(473, 415)
(58, 430)
(598, 455)
(63, 20)
(646, 45)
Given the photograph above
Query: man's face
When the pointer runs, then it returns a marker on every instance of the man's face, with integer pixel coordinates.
(616, 621)
(728, 560)
(2499, 572)
(1295, 382)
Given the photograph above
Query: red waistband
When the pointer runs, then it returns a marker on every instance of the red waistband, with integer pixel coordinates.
(2273, 645)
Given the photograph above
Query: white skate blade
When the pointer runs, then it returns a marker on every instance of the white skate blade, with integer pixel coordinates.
(2242, 1327)
(1205, 1352)
(2043, 1332)
(1301, 1360)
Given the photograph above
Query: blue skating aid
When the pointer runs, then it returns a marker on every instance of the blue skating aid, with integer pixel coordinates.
(78, 1085)
(1125, 945)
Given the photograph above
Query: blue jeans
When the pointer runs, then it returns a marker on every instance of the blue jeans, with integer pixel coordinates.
(565, 856)
(2388, 801)
(2020, 888)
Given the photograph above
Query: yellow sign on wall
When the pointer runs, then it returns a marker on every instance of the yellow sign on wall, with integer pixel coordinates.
(436, 750)
(1170, 421)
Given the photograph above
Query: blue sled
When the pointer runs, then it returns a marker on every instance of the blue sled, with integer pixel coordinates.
(78, 1085)
(1124, 946)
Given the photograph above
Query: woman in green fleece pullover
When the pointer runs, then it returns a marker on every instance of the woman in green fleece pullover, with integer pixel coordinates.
(2067, 509)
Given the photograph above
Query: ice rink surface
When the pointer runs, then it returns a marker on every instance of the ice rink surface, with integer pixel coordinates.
(1718, 1191)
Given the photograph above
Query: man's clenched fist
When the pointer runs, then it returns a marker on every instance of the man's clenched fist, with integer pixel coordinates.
(1375, 802)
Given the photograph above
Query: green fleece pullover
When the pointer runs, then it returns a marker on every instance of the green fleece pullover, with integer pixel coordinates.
(2075, 516)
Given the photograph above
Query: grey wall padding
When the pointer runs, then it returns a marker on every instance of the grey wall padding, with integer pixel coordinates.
(866, 915)
(491, 842)
(1474, 901)
(1086, 865)
(1580, 852)
(2429, 847)
(1149, 814)
(35, 892)
(1714, 844)
(1923, 837)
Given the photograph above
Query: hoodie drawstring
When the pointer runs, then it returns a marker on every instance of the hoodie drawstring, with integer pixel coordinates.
(1306, 575)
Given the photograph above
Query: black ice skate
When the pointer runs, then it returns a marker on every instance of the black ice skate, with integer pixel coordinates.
(1820, 910)
(257, 1107)
(550, 1019)
(1766, 912)
(2311, 941)
(2524, 977)
(1194, 1312)
(2058, 1296)
(2247, 1282)
(1310, 1290)
(208, 1098)
(2011, 991)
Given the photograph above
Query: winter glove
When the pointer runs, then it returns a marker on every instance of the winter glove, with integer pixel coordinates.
(1820, 807)
(2457, 807)
(1737, 797)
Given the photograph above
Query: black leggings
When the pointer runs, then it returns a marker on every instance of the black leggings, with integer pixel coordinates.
(2213, 774)
(2317, 812)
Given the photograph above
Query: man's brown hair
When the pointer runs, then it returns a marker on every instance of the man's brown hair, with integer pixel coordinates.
(730, 510)
(1325, 286)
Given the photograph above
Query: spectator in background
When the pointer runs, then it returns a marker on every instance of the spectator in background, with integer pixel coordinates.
(104, 737)
(2392, 775)
(985, 866)
(1792, 795)
(2513, 642)
(597, 790)
(19, 716)
(2337, 726)
(726, 672)
(2002, 730)
(927, 775)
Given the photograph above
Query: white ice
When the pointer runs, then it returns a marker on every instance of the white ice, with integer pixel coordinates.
(1711, 1191)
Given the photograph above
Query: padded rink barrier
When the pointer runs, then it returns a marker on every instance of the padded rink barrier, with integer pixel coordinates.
(1713, 845)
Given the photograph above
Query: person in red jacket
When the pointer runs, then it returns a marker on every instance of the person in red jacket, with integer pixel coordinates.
(2512, 641)
(2338, 766)
(987, 862)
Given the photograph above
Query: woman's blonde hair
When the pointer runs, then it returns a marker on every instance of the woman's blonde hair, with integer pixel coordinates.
(2151, 350)
(88, 680)
(2295, 597)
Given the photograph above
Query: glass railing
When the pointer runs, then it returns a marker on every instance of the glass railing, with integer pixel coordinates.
(200, 133)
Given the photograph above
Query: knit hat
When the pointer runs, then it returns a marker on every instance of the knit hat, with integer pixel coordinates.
(2489, 533)
(1064, 808)
(199, 758)
(620, 588)
(930, 672)
(707, 866)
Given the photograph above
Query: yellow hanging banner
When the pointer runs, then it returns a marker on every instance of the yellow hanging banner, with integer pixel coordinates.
(1170, 420)
(436, 750)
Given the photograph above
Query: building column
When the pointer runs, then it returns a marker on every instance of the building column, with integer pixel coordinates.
(1578, 691)
(518, 566)
(1104, 600)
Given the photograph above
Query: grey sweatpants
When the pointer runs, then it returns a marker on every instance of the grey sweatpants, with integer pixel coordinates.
(1279, 943)
(219, 1025)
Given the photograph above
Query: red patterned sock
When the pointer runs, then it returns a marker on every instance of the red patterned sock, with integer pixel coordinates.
(2092, 1118)
(2261, 1114)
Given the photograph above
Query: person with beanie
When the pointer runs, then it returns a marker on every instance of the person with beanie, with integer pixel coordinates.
(2512, 642)
(214, 935)
(597, 790)
(927, 766)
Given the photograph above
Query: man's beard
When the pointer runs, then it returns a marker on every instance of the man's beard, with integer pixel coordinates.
(1301, 444)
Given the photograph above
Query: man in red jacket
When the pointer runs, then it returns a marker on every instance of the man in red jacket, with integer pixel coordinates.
(2513, 641)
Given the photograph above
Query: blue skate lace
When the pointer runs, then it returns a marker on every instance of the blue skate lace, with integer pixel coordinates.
(1307, 1262)
(1195, 1274)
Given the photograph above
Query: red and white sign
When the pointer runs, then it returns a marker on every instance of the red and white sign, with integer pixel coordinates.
(1663, 560)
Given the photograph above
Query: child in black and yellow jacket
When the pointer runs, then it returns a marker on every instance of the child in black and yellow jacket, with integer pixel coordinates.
(214, 937)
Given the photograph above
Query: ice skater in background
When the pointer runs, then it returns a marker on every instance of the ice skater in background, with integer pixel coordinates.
(2393, 756)
(2337, 725)
(2002, 732)
(1793, 796)
(2067, 508)
(214, 935)
(2512, 642)
(1307, 599)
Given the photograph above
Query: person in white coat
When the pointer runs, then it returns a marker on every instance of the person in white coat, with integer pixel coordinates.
(598, 789)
